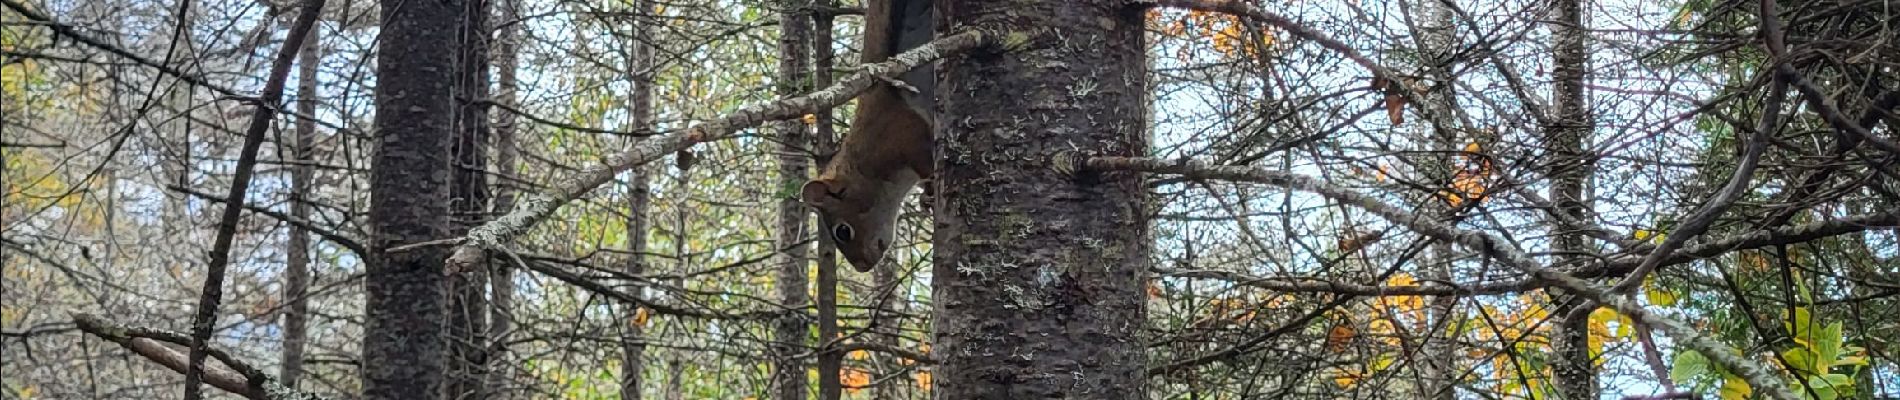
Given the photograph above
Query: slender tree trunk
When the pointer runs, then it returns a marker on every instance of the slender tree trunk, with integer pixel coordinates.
(297, 247)
(640, 72)
(501, 281)
(1569, 170)
(405, 298)
(1038, 273)
(468, 309)
(788, 372)
(1438, 42)
(675, 368)
(824, 142)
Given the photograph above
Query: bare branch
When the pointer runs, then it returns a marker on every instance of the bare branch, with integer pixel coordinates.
(1490, 245)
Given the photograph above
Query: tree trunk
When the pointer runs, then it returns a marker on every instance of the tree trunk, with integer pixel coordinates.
(1569, 170)
(404, 301)
(1438, 44)
(640, 66)
(297, 247)
(830, 363)
(468, 309)
(788, 372)
(501, 281)
(1038, 273)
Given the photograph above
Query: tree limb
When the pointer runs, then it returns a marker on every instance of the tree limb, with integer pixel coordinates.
(533, 208)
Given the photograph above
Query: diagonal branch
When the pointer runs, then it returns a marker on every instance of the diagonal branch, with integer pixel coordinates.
(213, 291)
(1704, 216)
(533, 208)
(1490, 245)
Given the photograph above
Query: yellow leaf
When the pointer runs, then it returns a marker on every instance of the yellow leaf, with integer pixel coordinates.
(923, 380)
(640, 316)
(857, 354)
(1657, 295)
(1346, 378)
(1734, 388)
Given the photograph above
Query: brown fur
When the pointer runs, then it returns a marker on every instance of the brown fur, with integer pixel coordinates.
(888, 149)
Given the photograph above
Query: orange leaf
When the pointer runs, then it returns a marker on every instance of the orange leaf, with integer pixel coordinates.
(1341, 335)
(854, 379)
(1395, 108)
(923, 380)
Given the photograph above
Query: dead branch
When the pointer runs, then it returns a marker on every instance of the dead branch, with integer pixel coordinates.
(160, 346)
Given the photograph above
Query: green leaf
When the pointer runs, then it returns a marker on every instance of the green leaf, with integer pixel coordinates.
(1799, 324)
(1827, 345)
(1688, 366)
(1801, 359)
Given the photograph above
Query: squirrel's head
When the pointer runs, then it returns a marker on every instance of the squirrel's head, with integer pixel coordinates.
(859, 219)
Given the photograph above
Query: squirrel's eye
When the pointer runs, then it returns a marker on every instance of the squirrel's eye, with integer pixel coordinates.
(841, 233)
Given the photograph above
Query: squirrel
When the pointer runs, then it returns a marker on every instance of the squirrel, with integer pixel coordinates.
(890, 146)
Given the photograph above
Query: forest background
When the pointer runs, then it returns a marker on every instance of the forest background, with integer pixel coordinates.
(1390, 199)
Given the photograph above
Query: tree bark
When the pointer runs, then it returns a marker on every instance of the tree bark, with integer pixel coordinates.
(1038, 272)
(1569, 170)
(405, 298)
(297, 247)
(640, 65)
(788, 372)
(1438, 44)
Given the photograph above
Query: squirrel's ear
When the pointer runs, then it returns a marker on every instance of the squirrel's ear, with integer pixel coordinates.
(815, 192)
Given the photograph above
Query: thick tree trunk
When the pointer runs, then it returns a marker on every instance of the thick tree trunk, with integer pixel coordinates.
(788, 371)
(1038, 273)
(297, 247)
(403, 345)
(640, 113)
(1569, 170)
